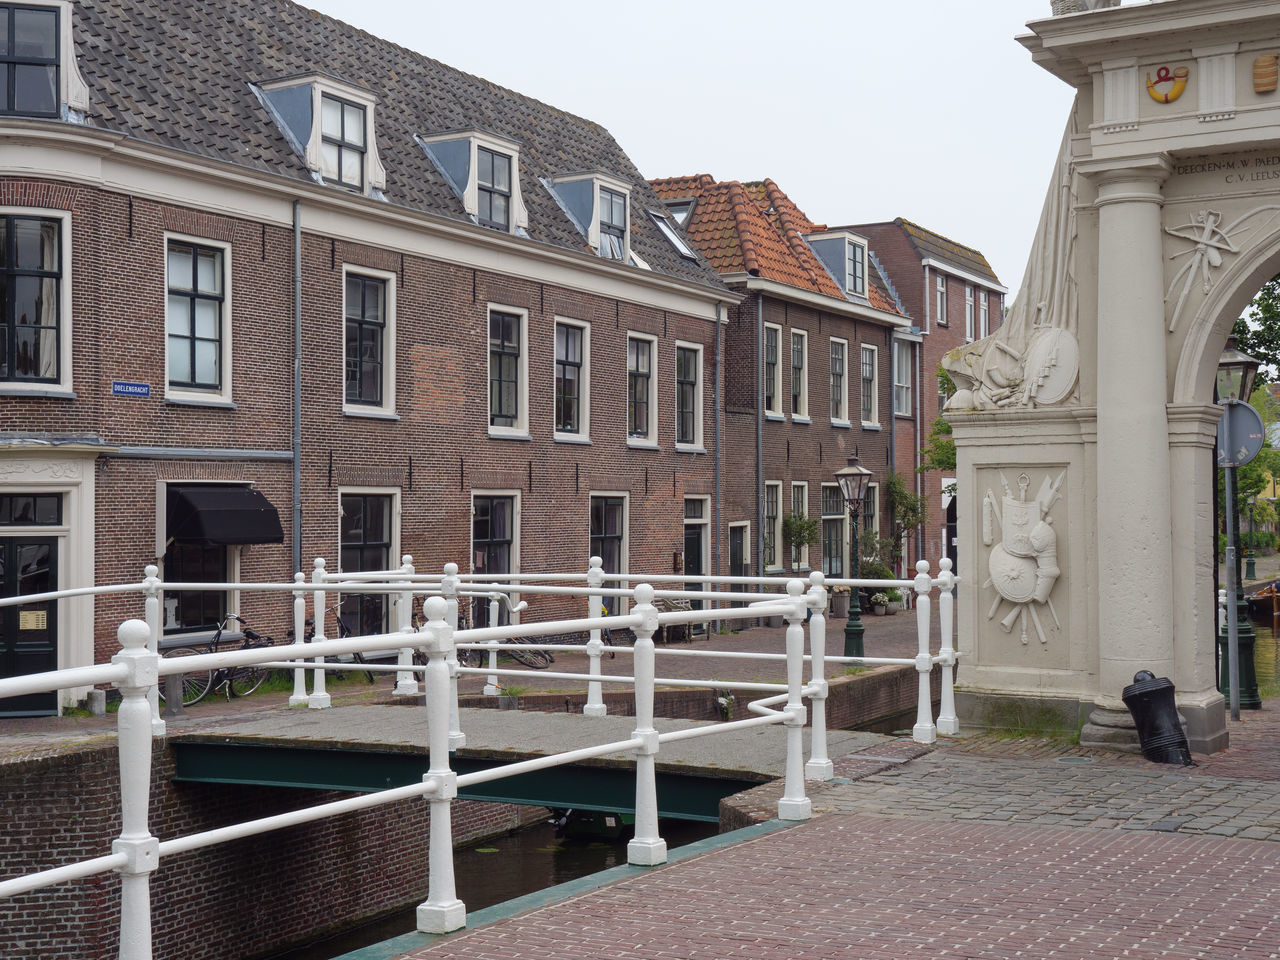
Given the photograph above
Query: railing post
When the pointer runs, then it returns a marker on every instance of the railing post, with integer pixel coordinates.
(442, 911)
(948, 723)
(819, 766)
(299, 695)
(646, 848)
(319, 698)
(449, 586)
(134, 746)
(924, 731)
(491, 687)
(794, 805)
(595, 705)
(406, 679)
(151, 607)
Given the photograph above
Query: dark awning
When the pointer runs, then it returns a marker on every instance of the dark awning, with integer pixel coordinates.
(221, 513)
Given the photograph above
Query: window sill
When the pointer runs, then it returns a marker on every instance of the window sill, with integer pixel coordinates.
(842, 424)
(690, 448)
(51, 391)
(195, 400)
(369, 413)
(769, 415)
(500, 433)
(637, 444)
(798, 418)
(572, 438)
(871, 426)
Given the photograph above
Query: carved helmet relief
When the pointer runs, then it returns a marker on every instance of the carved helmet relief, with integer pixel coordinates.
(1023, 566)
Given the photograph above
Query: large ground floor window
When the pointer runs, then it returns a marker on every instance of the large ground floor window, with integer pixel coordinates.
(608, 532)
(366, 530)
(492, 546)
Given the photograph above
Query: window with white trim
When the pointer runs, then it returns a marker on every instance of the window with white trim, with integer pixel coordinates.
(642, 389)
(772, 369)
(835, 539)
(484, 171)
(870, 386)
(368, 528)
(772, 524)
(197, 318)
(35, 318)
(901, 378)
(689, 395)
(855, 274)
(342, 141)
(495, 544)
(608, 538)
(508, 372)
(613, 224)
(984, 313)
(368, 340)
(968, 311)
(940, 302)
(799, 508)
(799, 374)
(493, 189)
(573, 380)
(598, 204)
(839, 381)
(673, 238)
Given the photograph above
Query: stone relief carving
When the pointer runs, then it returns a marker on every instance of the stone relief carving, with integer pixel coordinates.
(47, 469)
(1034, 358)
(1023, 566)
(1210, 241)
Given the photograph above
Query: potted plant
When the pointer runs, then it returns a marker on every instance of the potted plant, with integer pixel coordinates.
(894, 600)
(879, 603)
(840, 602)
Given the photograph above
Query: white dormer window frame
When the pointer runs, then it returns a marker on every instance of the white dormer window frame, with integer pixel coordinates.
(517, 213)
(844, 254)
(72, 92)
(604, 182)
(373, 175)
(855, 278)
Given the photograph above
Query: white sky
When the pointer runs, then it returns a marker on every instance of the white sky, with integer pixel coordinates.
(861, 111)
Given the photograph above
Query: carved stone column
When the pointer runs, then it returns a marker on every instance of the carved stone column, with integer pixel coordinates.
(1135, 593)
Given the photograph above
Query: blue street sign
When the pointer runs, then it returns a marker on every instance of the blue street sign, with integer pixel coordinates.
(1240, 434)
(127, 388)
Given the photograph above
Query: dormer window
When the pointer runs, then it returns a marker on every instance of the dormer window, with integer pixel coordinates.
(680, 210)
(330, 123)
(38, 71)
(484, 171)
(598, 205)
(493, 189)
(845, 257)
(342, 141)
(613, 224)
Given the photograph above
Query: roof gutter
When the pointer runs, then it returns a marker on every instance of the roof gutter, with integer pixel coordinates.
(784, 291)
(943, 267)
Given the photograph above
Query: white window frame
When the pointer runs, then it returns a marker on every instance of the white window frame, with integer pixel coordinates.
(775, 410)
(843, 516)
(968, 312)
(162, 542)
(940, 297)
(801, 415)
(593, 227)
(518, 214)
(63, 386)
(843, 419)
(901, 361)
(393, 551)
(747, 546)
(624, 559)
(696, 445)
(800, 554)
(984, 313)
(583, 435)
(650, 440)
(72, 89)
(704, 523)
(375, 174)
(520, 430)
(861, 257)
(189, 395)
(517, 507)
(387, 409)
(875, 384)
(776, 532)
(874, 524)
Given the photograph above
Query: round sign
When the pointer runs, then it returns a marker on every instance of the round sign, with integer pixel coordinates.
(1240, 434)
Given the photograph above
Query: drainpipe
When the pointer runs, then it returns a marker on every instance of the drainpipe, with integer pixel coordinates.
(919, 352)
(719, 407)
(759, 542)
(297, 385)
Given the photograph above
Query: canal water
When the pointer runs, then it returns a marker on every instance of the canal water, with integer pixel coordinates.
(1266, 651)
(501, 869)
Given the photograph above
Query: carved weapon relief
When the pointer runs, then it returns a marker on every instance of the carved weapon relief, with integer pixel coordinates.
(1211, 241)
(1023, 566)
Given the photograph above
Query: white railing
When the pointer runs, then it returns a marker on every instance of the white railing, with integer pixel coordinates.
(138, 668)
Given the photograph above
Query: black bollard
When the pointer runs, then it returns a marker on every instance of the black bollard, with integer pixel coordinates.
(1150, 702)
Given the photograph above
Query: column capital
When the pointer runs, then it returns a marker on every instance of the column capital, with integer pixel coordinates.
(1127, 179)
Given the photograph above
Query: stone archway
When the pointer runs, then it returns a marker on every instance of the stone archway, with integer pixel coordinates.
(1084, 426)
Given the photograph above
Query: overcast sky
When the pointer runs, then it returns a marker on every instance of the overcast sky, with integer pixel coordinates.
(860, 111)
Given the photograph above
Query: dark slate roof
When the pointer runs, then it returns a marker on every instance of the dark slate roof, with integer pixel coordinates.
(177, 73)
(928, 244)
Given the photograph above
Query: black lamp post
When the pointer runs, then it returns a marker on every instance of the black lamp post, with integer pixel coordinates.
(1234, 384)
(853, 480)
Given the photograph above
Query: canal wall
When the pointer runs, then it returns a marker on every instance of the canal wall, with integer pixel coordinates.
(235, 900)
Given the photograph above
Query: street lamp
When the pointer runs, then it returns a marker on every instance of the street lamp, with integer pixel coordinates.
(853, 480)
(1237, 678)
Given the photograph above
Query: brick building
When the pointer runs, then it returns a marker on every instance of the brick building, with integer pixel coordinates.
(955, 298)
(807, 369)
(279, 289)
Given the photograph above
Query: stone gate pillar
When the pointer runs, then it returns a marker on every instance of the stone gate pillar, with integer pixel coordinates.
(1135, 597)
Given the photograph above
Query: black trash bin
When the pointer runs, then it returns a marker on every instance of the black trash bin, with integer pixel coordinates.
(1150, 702)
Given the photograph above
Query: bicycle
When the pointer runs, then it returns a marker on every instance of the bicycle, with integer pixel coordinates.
(343, 631)
(534, 659)
(467, 657)
(234, 681)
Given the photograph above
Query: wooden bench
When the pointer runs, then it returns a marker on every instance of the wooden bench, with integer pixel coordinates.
(675, 632)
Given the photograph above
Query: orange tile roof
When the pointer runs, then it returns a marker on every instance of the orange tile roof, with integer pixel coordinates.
(755, 228)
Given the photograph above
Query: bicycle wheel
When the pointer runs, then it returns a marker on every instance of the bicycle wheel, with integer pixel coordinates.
(242, 681)
(195, 685)
(359, 657)
(537, 659)
(472, 658)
